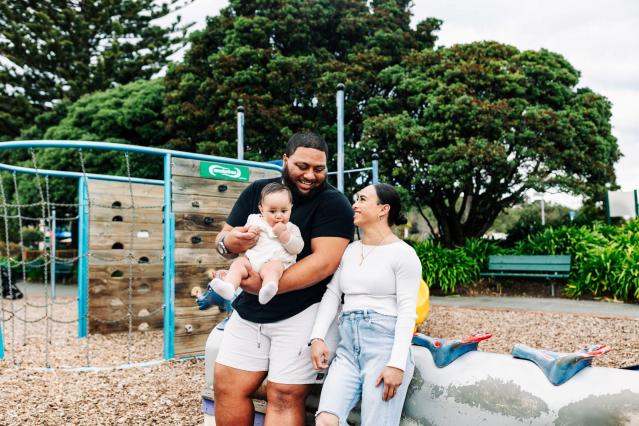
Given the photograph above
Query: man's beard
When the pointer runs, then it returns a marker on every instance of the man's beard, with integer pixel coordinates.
(297, 194)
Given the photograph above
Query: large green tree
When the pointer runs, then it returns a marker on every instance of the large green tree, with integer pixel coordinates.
(55, 50)
(282, 60)
(128, 114)
(469, 129)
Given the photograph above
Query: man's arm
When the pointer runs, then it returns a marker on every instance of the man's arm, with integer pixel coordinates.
(321, 263)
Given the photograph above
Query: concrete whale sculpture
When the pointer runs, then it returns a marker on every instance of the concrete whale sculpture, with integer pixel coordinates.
(488, 388)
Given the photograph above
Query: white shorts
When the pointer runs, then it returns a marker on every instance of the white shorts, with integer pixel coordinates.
(281, 347)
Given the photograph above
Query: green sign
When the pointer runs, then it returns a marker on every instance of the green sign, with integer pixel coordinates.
(224, 171)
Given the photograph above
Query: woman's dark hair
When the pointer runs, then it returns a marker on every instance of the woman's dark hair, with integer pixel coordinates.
(274, 187)
(387, 194)
(306, 140)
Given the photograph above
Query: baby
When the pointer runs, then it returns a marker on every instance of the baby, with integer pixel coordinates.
(277, 247)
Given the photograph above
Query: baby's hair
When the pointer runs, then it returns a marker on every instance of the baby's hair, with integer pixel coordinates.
(274, 187)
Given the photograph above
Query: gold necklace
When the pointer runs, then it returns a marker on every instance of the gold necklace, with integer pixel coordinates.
(362, 256)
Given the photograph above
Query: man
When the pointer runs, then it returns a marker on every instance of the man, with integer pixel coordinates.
(270, 341)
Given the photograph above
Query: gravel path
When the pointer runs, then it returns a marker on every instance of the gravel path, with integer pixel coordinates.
(169, 393)
(554, 331)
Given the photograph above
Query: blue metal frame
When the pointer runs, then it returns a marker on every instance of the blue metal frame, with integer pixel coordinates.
(169, 267)
(83, 263)
(131, 148)
(75, 175)
(83, 240)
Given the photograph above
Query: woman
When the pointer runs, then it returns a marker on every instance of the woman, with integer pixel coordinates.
(379, 278)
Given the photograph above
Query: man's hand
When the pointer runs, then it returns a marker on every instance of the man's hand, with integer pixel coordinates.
(392, 378)
(253, 282)
(241, 238)
(319, 354)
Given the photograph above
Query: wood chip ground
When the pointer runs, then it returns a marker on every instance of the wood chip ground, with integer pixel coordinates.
(169, 393)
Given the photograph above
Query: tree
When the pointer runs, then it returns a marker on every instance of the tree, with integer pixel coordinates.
(523, 220)
(50, 51)
(129, 114)
(469, 129)
(282, 60)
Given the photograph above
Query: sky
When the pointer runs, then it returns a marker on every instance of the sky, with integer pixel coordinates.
(600, 39)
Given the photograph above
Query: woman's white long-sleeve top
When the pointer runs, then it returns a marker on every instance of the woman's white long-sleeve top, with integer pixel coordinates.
(386, 281)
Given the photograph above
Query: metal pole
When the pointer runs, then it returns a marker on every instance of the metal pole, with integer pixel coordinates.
(169, 267)
(340, 137)
(83, 261)
(361, 169)
(543, 213)
(375, 166)
(53, 254)
(607, 204)
(240, 133)
(1, 338)
(2, 313)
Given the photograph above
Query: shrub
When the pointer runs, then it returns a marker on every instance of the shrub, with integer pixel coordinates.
(448, 268)
(605, 258)
(31, 237)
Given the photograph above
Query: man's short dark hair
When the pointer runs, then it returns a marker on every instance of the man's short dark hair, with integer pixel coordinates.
(306, 140)
(274, 187)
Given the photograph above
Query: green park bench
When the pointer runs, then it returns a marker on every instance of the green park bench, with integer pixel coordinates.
(548, 267)
(63, 268)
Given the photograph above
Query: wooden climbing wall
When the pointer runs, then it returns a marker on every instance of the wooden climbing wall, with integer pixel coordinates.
(202, 199)
(113, 226)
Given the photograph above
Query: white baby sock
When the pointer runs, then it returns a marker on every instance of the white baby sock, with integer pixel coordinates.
(267, 292)
(225, 289)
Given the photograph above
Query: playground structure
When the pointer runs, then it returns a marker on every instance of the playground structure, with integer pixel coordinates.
(143, 245)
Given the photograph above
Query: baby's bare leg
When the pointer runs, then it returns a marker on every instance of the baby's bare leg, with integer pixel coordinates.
(271, 273)
(238, 270)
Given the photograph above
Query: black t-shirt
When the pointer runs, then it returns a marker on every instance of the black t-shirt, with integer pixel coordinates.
(326, 214)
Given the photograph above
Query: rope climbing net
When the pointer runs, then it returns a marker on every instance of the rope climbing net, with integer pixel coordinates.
(39, 329)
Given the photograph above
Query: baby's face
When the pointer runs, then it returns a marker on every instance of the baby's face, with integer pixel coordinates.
(276, 208)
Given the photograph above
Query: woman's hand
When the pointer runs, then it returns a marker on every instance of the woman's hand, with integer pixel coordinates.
(392, 378)
(319, 354)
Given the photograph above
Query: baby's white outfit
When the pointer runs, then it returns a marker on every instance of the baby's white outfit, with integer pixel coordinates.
(268, 247)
